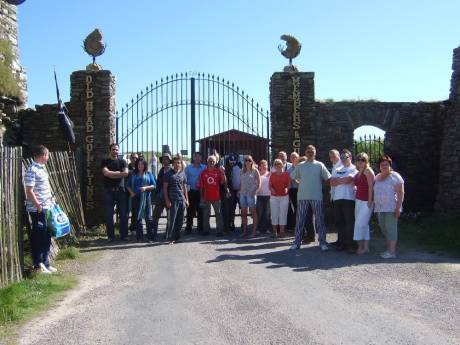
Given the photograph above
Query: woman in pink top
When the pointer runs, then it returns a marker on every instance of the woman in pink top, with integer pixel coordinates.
(279, 201)
(364, 182)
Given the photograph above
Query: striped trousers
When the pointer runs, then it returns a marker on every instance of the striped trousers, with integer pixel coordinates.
(302, 208)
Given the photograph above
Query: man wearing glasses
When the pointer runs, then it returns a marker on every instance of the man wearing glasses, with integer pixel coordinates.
(343, 197)
(310, 176)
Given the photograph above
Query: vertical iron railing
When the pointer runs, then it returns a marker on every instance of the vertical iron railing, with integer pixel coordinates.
(372, 145)
(183, 111)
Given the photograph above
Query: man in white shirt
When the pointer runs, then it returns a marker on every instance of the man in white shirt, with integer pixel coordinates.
(343, 197)
(334, 157)
(39, 200)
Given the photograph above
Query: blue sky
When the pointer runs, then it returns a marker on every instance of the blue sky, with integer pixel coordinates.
(387, 50)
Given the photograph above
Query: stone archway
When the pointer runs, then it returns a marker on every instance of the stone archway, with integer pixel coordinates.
(412, 138)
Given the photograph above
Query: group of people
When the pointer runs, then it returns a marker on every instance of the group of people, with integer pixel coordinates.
(281, 198)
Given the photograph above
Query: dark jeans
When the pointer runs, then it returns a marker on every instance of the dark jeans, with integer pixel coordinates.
(194, 210)
(175, 220)
(40, 239)
(344, 216)
(138, 222)
(116, 196)
(225, 211)
(129, 210)
(157, 211)
(233, 201)
(263, 213)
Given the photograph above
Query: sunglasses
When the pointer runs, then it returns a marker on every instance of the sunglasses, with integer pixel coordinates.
(344, 156)
(310, 152)
(248, 160)
(361, 160)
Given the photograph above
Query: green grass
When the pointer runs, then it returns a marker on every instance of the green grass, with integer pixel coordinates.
(439, 233)
(69, 253)
(20, 301)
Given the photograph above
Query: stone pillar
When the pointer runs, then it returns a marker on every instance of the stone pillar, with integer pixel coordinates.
(92, 103)
(9, 33)
(292, 107)
(448, 199)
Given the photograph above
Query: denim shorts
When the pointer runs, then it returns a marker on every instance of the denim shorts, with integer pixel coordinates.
(247, 201)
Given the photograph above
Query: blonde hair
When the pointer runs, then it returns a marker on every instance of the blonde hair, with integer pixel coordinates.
(277, 161)
(252, 163)
(294, 154)
(363, 156)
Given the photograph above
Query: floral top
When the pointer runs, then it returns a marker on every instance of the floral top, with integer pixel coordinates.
(248, 182)
(385, 192)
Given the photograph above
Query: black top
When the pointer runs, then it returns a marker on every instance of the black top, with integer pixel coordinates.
(114, 165)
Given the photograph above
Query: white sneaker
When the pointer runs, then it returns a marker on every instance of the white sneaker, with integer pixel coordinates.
(43, 269)
(52, 269)
(294, 247)
(324, 247)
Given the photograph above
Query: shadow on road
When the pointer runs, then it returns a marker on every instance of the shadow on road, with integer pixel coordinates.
(102, 244)
(310, 258)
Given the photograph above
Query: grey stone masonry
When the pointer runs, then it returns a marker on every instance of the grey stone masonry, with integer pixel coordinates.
(448, 199)
(415, 132)
(9, 32)
(412, 139)
(41, 127)
(292, 101)
(92, 105)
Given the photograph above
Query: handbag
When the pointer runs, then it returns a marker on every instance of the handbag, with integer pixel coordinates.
(57, 221)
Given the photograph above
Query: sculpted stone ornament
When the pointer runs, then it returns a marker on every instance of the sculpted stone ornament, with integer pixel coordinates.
(94, 46)
(291, 51)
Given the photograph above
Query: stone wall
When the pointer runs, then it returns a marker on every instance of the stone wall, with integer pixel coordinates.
(415, 133)
(412, 139)
(448, 199)
(9, 31)
(92, 109)
(40, 126)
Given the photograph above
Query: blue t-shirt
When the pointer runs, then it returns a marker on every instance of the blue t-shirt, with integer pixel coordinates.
(176, 181)
(193, 174)
(135, 181)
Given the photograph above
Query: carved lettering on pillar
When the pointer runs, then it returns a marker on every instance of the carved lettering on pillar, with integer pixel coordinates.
(89, 143)
(296, 113)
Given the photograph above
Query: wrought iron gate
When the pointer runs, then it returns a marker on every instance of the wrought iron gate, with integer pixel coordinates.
(185, 113)
(372, 145)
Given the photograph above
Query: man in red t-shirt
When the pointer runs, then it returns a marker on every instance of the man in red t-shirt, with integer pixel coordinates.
(210, 180)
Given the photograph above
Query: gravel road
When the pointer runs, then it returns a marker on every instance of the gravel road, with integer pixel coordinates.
(229, 291)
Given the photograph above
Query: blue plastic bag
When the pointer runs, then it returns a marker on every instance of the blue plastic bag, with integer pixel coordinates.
(58, 222)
